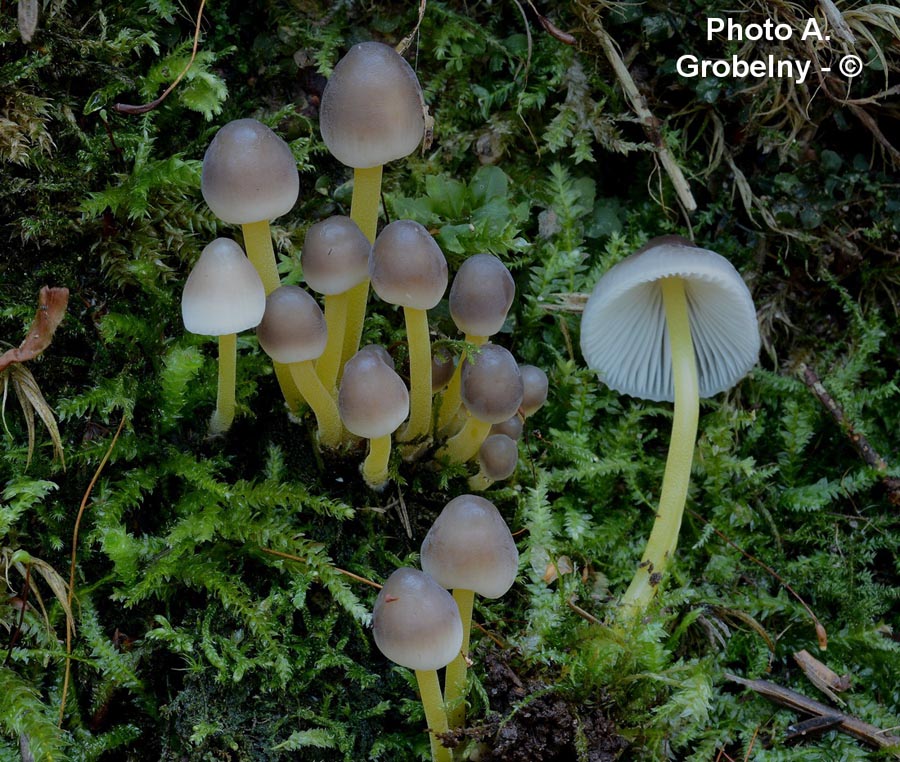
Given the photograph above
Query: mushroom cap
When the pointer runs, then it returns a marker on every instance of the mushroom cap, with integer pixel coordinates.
(442, 367)
(491, 385)
(249, 174)
(293, 328)
(223, 293)
(373, 400)
(512, 427)
(498, 456)
(481, 295)
(372, 109)
(623, 329)
(416, 622)
(469, 547)
(407, 267)
(335, 255)
(381, 353)
(536, 387)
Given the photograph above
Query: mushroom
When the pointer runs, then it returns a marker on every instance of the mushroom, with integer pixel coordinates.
(223, 295)
(671, 322)
(408, 268)
(511, 427)
(491, 390)
(372, 112)
(497, 460)
(536, 385)
(469, 549)
(416, 624)
(373, 402)
(335, 259)
(442, 367)
(293, 332)
(250, 177)
(480, 297)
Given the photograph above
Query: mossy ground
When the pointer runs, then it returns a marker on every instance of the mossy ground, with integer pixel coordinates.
(194, 641)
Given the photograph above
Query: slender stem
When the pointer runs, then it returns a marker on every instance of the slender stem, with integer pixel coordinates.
(419, 341)
(321, 402)
(673, 494)
(455, 680)
(480, 481)
(328, 365)
(464, 446)
(223, 415)
(435, 714)
(375, 467)
(451, 401)
(357, 299)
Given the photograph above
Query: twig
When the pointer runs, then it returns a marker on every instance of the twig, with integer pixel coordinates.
(857, 439)
(126, 108)
(17, 631)
(404, 44)
(71, 592)
(301, 560)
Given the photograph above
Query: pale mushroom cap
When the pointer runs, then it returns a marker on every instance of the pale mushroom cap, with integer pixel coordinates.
(469, 547)
(381, 353)
(511, 427)
(416, 622)
(481, 295)
(407, 266)
(372, 109)
(223, 293)
(490, 384)
(373, 400)
(293, 327)
(249, 174)
(623, 328)
(536, 387)
(498, 456)
(442, 367)
(335, 255)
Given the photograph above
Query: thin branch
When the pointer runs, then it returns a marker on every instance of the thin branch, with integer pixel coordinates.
(301, 560)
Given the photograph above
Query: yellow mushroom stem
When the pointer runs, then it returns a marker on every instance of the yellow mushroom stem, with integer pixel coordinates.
(419, 342)
(223, 415)
(375, 466)
(435, 714)
(455, 679)
(480, 481)
(451, 401)
(464, 446)
(673, 494)
(320, 400)
(364, 212)
(258, 244)
(329, 364)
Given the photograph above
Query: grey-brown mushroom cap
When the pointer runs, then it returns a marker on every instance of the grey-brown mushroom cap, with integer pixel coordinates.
(498, 456)
(511, 427)
(537, 385)
(442, 367)
(481, 295)
(372, 109)
(381, 353)
(293, 327)
(249, 174)
(623, 329)
(223, 293)
(469, 547)
(407, 267)
(491, 385)
(373, 400)
(416, 622)
(335, 255)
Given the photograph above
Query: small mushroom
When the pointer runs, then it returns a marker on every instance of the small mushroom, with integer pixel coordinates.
(442, 367)
(536, 385)
(497, 460)
(408, 268)
(373, 402)
(293, 332)
(469, 549)
(511, 427)
(416, 624)
(222, 296)
(671, 322)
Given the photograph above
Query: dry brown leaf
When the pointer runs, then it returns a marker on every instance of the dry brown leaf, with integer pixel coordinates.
(52, 304)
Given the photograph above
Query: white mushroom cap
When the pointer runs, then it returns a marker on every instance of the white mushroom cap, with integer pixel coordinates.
(249, 174)
(373, 400)
(623, 328)
(335, 255)
(223, 294)
(407, 266)
(416, 622)
(293, 327)
(372, 109)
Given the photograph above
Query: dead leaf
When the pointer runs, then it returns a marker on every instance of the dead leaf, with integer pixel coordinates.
(823, 677)
(52, 304)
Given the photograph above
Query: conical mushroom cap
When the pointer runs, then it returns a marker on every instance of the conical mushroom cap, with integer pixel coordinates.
(490, 384)
(249, 174)
(407, 266)
(293, 328)
(469, 547)
(416, 622)
(373, 400)
(536, 386)
(481, 295)
(335, 255)
(372, 109)
(498, 457)
(623, 328)
(223, 294)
